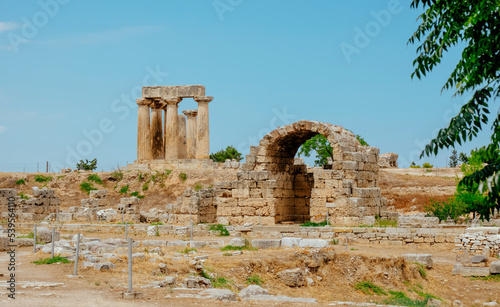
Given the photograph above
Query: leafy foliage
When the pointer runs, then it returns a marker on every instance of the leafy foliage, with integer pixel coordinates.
(223, 232)
(452, 207)
(463, 158)
(427, 165)
(20, 181)
(453, 159)
(41, 178)
(474, 26)
(87, 165)
(183, 177)
(124, 189)
(313, 224)
(229, 153)
(49, 260)
(95, 178)
(320, 145)
(369, 288)
(87, 187)
(254, 280)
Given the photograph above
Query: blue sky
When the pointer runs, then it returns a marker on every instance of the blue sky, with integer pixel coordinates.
(71, 71)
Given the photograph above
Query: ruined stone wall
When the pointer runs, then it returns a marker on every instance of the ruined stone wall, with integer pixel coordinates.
(43, 203)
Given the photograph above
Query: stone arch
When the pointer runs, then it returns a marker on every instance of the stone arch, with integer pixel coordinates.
(301, 193)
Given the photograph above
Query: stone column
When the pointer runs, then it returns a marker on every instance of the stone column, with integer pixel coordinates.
(203, 138)
(172, 145)
(143, 131)
(182, 137)
(191, 132)
(157, 131)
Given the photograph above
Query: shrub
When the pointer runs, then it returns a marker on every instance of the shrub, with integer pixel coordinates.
(87, 165)
(427, 165)
(198, 187)
(124, 189)
(87, 187)
(187, 250)
(20, 181)
(21, 194)
(95, 178)
(254, 280)
(450, 207)
(223, 232)
(247, 247)
(399, 298)
(312, 224)
(229, 153)
(41, 178)
(183, 176)
(145, 187)
(49, 260)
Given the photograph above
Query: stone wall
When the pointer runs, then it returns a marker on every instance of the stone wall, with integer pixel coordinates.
(43, 203)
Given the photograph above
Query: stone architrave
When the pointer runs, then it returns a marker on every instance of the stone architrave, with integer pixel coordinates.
(143, 130)
(172, 144)
(191, 132)
(203, 138)
(182, 137)
(157, 131)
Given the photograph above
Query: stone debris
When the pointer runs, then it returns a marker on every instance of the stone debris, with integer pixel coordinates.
(293, 277)
(281, 298)
(388, 160)
(475, 240)
(423, 259)
(219, 294)
(153, 231)
(168, 281)
(252, 290)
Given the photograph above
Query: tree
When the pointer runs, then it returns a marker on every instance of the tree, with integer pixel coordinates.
(322, 147)
(453, 159)
(463, 158)
(474, 27)
(87, 165)
(229, 153)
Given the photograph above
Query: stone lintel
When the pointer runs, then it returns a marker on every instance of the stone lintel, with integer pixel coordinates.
(190, 112)
(182, 91)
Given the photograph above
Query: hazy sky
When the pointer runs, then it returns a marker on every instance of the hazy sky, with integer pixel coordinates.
(72, 69)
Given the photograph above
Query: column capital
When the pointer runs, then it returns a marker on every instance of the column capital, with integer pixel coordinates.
(172, 100)
(203, 98)
(190, 112)
(143, 101)
(157, 104)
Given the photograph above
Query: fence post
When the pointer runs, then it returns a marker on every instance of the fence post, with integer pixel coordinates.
(130, 265)
(75, 271)
(53, 240)
(126, 230)
(34, 240)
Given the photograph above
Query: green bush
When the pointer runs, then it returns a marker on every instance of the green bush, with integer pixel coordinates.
(223, 232)
(95, 178)
(41, 178)
(183, 176)
(20, 181)
(198, 187)
(124, 189)
(427, 165)
(451, 207)
(254, 280)
(312, 224)
(229, 153)
(145, 187)
(87, 187)
(49, 260)
(87, 165)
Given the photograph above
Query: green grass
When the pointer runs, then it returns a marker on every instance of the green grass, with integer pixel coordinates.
(400, 298)
(187, 250)
(254, 280)
(49, 260)
(145, 187)
(487, 278)
(227, 254)
(95, 178)
(369, 288)
(117, 175)
(124, 189)
(239, 248)
(30, 235)
(335, 241)
(421, 270)
(157, 224)
(218, 282)
(20, 181)
(223, 232)
(136, 194)
(87, 187)
(183, 177)
(385, 223)
(198, 187)
(21, 194)
(41, 178)
(312, 224)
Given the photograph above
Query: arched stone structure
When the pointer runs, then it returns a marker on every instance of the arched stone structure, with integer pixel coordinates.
(271, 188)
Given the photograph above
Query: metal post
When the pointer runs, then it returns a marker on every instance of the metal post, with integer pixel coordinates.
(126, 230)
(346, 242)
(130, 265)
(191, 231)
(123, 212)
(34, 240)
(327, 217)
(259, 218)
(57, 215)
(53, 239)
(77, 253)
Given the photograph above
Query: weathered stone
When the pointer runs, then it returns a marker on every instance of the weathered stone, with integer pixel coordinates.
(219, 294)
(293, 277)
(237, 242)
(472, 271)
(266, 243)
(432, 302)
(424, 259)
(495, 267)
(314, 243)
(478, 259)
(253, 290)
(290, 242)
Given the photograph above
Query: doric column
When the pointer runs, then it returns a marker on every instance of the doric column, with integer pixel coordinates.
(172, 145)
(203, 138)
(143, 131)
(157, 130)
(182, 136)
(191, 133)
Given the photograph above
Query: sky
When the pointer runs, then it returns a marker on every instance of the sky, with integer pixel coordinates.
(70, 71)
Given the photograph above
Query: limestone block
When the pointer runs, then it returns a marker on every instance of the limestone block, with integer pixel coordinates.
(6, 193)
(293, 277)
(313, 243)
(266, 243)
(472, 271)
(129, 201)
(98, 193)
(290, 242)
